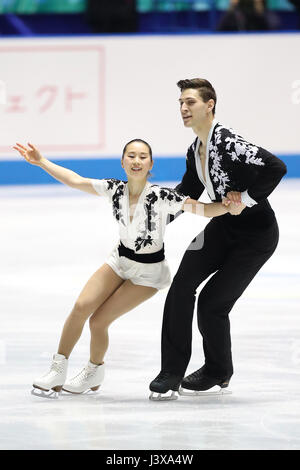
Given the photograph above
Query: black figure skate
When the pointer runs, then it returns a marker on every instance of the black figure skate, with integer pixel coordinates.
(164, 382)
(203, 385)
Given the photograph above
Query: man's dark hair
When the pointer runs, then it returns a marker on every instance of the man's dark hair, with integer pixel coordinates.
(204, 87)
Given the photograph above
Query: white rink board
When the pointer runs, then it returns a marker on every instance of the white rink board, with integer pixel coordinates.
(88, 96)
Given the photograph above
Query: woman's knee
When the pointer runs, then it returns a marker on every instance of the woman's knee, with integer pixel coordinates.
(81, 310)
(98, 322)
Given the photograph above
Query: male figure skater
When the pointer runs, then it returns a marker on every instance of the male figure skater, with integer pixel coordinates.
(232, 248)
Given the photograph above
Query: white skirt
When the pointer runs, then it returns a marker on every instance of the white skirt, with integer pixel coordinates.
(155, 275)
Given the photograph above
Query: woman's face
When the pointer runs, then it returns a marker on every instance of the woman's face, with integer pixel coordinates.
(137, 161)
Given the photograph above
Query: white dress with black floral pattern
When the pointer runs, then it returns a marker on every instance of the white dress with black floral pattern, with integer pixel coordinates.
(145, 233)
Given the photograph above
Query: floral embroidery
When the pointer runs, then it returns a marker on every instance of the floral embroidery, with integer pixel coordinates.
(239, 146)
(236, 148)
(170, 194)
(148, 225)
(118, 187)
(113, 182)
(218, 174)
(141, 242)
(151, 214)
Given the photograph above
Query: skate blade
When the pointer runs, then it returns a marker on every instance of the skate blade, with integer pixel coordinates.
(183, 392)
(90, 391)
(159, 397)
(50, 394)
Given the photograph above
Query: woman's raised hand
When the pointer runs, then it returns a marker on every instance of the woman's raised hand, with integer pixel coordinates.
(30, 153)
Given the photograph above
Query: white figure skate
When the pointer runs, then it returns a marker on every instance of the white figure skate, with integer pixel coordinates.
(90, 378)
(53, 380)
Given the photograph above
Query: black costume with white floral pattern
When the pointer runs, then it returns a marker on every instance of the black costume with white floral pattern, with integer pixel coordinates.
(233, 165)
(231, 248)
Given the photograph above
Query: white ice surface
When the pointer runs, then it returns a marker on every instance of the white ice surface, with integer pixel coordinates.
(52, 239)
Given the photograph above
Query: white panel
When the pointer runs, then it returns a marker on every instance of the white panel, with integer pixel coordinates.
(125, 87)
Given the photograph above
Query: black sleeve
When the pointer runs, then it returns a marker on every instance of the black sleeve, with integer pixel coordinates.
(190, 185)
(268, 175)
(260, 168)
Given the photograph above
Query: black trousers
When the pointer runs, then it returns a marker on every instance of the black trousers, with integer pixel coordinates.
(234, 254)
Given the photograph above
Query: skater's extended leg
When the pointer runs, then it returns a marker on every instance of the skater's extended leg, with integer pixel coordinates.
(124, 299)
(203, 257)
(215, 302)
(99, 287)
(102, 284)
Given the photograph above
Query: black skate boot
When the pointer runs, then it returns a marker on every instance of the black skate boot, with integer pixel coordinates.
(164, 382)
(203, 385)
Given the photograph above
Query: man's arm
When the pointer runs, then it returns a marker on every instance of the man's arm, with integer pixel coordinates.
(190, 185)
(260, 168)
(268, 178)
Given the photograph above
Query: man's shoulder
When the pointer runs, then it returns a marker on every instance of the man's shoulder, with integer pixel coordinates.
(226, 131)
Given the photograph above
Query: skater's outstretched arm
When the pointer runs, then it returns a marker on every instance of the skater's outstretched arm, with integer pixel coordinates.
(64, 175)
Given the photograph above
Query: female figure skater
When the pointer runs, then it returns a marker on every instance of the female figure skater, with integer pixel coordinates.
(134, 271)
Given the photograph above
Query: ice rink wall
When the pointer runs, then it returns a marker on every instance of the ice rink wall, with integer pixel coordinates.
(81, 99)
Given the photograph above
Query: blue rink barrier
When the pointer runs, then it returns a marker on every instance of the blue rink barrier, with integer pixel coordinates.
(17, 172)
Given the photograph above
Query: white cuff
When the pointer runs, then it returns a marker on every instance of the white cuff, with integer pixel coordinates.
(247, 200)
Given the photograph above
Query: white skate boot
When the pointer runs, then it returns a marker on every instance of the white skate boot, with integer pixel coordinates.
(54, 379)
(90, 378)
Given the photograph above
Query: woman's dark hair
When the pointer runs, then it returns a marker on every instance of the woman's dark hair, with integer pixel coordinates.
(204, 87)
(137, 140)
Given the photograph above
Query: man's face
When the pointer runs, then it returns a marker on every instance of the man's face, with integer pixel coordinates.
(193, 109)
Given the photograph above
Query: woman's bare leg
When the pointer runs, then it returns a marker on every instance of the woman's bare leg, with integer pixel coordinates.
(102, 284)
(124, 299)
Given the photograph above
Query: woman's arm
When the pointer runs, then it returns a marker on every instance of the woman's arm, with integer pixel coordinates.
(64, 175)
(212, 209)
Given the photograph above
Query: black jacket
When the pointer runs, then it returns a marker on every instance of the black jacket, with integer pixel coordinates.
(233, 164)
